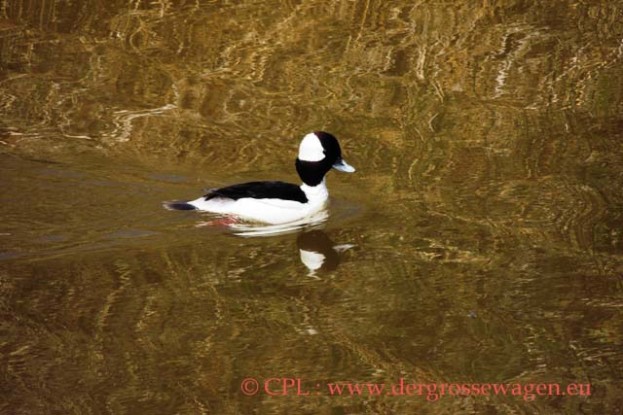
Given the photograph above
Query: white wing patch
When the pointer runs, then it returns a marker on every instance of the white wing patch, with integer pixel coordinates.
(272, 211)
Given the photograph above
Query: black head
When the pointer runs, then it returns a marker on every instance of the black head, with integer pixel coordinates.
(319, 152)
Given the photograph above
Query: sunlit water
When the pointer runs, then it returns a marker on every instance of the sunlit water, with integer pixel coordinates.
(479, 241)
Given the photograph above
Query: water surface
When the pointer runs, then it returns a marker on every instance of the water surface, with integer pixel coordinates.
(479, 241)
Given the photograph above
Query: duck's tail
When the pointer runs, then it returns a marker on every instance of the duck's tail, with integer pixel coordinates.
(178, 205)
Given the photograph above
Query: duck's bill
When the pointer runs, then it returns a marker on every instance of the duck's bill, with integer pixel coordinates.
(343, 166)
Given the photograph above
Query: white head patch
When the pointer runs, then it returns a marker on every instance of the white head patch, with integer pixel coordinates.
(311, 148)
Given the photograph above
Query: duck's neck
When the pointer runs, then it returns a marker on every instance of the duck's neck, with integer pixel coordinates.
(312, 172)
(316, 194)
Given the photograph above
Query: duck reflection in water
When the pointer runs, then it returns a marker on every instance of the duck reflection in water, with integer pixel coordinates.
(318, 252)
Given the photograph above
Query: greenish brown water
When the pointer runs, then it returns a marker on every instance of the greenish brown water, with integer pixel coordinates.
(486, 215)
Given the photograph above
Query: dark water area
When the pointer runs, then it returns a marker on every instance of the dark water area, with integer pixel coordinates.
(480, 240)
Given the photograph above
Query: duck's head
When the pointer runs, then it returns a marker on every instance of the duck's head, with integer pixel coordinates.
(319, 152)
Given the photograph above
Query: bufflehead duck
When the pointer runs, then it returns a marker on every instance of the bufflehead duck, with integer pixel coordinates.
(278, 202)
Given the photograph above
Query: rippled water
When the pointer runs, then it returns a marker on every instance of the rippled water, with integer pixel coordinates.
(479, 241)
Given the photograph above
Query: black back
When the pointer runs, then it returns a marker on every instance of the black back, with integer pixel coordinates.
(260, 190)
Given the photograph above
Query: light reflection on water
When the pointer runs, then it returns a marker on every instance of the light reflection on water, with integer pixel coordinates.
(479, 241)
